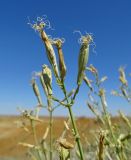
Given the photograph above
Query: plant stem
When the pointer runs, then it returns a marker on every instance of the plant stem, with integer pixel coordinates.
(50, 126)
(77, 137)
(51, 135)
(76, 134)
(43, 149)
(76, 92)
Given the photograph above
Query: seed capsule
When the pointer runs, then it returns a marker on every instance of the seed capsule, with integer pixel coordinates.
(62, 66)
(83, 57)
(92, 69)
(43, 85)
(103, 98)
(47, 77)
(125, 93)
(36, 91)
(122, 77)
(65, 144)
(49, 49)
(50, 53)
(88, 82)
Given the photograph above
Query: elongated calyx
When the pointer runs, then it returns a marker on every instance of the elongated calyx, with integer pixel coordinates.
(122, 76)
(49, 49)
(83, 57)
(50, 53)
(47, 77)
(62, 67)
(36, 91)
(88, 82)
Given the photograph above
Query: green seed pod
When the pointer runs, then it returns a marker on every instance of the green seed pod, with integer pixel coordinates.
(39, 26)
(122, 77)
(125, 93)
(83, 57)
(47, 77)
(50, 53)
(62, 66)
(36, 91)
(43, 85)
(103, 100)
(92, 69)
(87, 81)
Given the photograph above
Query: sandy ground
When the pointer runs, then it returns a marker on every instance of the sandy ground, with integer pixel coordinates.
(12, 132)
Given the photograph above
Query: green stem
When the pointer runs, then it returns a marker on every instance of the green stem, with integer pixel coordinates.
(50, 135)
(50, 126)
(76, 134)
(76, 92)
(77, 137)
(64, 91)
(43, 149)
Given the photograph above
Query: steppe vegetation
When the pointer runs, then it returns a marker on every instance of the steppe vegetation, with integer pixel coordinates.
(106, 138)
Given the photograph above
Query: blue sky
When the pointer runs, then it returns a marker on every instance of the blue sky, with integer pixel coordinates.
(22, 52)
